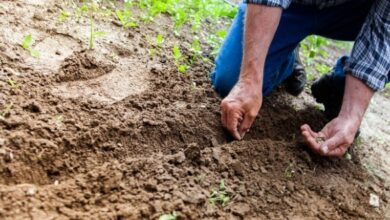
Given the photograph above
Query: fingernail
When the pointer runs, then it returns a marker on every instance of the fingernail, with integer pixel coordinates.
(325, 149)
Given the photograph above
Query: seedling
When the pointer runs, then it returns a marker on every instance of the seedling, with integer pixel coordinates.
(177, 55)
(13, 84)
(219, 196)
(171, 216)
(124, 16)
(63, 16)
(93, 34)
(289, 171)
(196, 49)
(159, 40)
(26, 44)
(7, 110)
(322, 68)
(347, 156)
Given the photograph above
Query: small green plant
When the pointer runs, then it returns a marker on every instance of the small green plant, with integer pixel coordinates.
(289, 171)
(63, 15)
(196, 49)
(93, 34)
(159, 40)
(177, 55)
(13, 84)
(219, 196)
(26, 44)
(7, 110)
(171, 216)
(322, 68)
(125, 15)
(347, 156)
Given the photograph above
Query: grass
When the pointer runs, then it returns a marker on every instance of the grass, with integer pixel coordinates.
(219, 196)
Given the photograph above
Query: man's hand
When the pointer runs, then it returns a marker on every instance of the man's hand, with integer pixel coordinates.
(338, 135)
(340, 132)
(240, 108)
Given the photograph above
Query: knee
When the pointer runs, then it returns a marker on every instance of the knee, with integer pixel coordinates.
(222, 82)
(241, 8)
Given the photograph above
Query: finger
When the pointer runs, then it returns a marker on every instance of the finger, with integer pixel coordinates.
(307, 128)
(333, 143)
(311, 141)
(246, 123)
(232, 123)
(338, 152)
(223, 117)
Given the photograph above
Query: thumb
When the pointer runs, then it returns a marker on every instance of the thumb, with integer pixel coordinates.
(332, 143)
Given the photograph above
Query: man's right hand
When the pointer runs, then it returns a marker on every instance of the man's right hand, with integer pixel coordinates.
(240, 108)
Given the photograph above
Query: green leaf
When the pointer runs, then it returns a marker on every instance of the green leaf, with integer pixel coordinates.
(159, 40)
(27, 41)
(34, 53)
(222, 186)
(176, 53)
(182, 68)
(99, 33)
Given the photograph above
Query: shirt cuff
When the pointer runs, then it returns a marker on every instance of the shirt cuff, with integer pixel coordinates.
(368, 76)
(273, 3)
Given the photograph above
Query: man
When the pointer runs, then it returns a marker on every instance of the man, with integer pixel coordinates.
(259, 54)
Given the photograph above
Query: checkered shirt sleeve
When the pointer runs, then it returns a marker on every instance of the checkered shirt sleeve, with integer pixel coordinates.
(370, 57)
(274, 3)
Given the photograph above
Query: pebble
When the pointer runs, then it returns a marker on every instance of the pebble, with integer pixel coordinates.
(374, 200)
(9, 157)
(263, 170)
(31, 191)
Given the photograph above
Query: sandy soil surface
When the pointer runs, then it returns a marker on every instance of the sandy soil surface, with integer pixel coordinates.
(114, 133)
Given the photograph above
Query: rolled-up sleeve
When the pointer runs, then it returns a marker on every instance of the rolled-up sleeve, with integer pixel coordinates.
(274, 3)
(370, 57)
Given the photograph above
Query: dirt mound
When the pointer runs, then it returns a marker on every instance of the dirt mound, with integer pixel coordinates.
(82, 65)
(132, 138)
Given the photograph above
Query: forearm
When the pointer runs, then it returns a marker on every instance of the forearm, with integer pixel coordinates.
(357, 96)
(261, 23)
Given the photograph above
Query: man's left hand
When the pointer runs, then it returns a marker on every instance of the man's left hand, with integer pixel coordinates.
(338, 135)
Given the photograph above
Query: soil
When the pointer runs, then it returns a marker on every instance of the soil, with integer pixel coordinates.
(91, 135)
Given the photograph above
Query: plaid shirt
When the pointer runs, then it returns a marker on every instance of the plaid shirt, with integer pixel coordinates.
(370, 57)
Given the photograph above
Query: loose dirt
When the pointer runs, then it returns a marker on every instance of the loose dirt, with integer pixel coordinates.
(91, 135)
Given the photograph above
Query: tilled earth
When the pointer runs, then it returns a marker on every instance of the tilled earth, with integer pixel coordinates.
(90, 135)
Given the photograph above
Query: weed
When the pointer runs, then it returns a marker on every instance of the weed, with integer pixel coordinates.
(159, 40)
(289, 171)
(219, 196)
(322, 68)
(125, 16)
(196, 49)
(347, 156)
(177, 55)
(63, 16)
(93, 34)
(7, 110)
(171, 216)
(26, 44)
(13, 84)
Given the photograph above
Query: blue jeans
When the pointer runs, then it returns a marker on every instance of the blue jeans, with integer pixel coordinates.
(341, 22)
